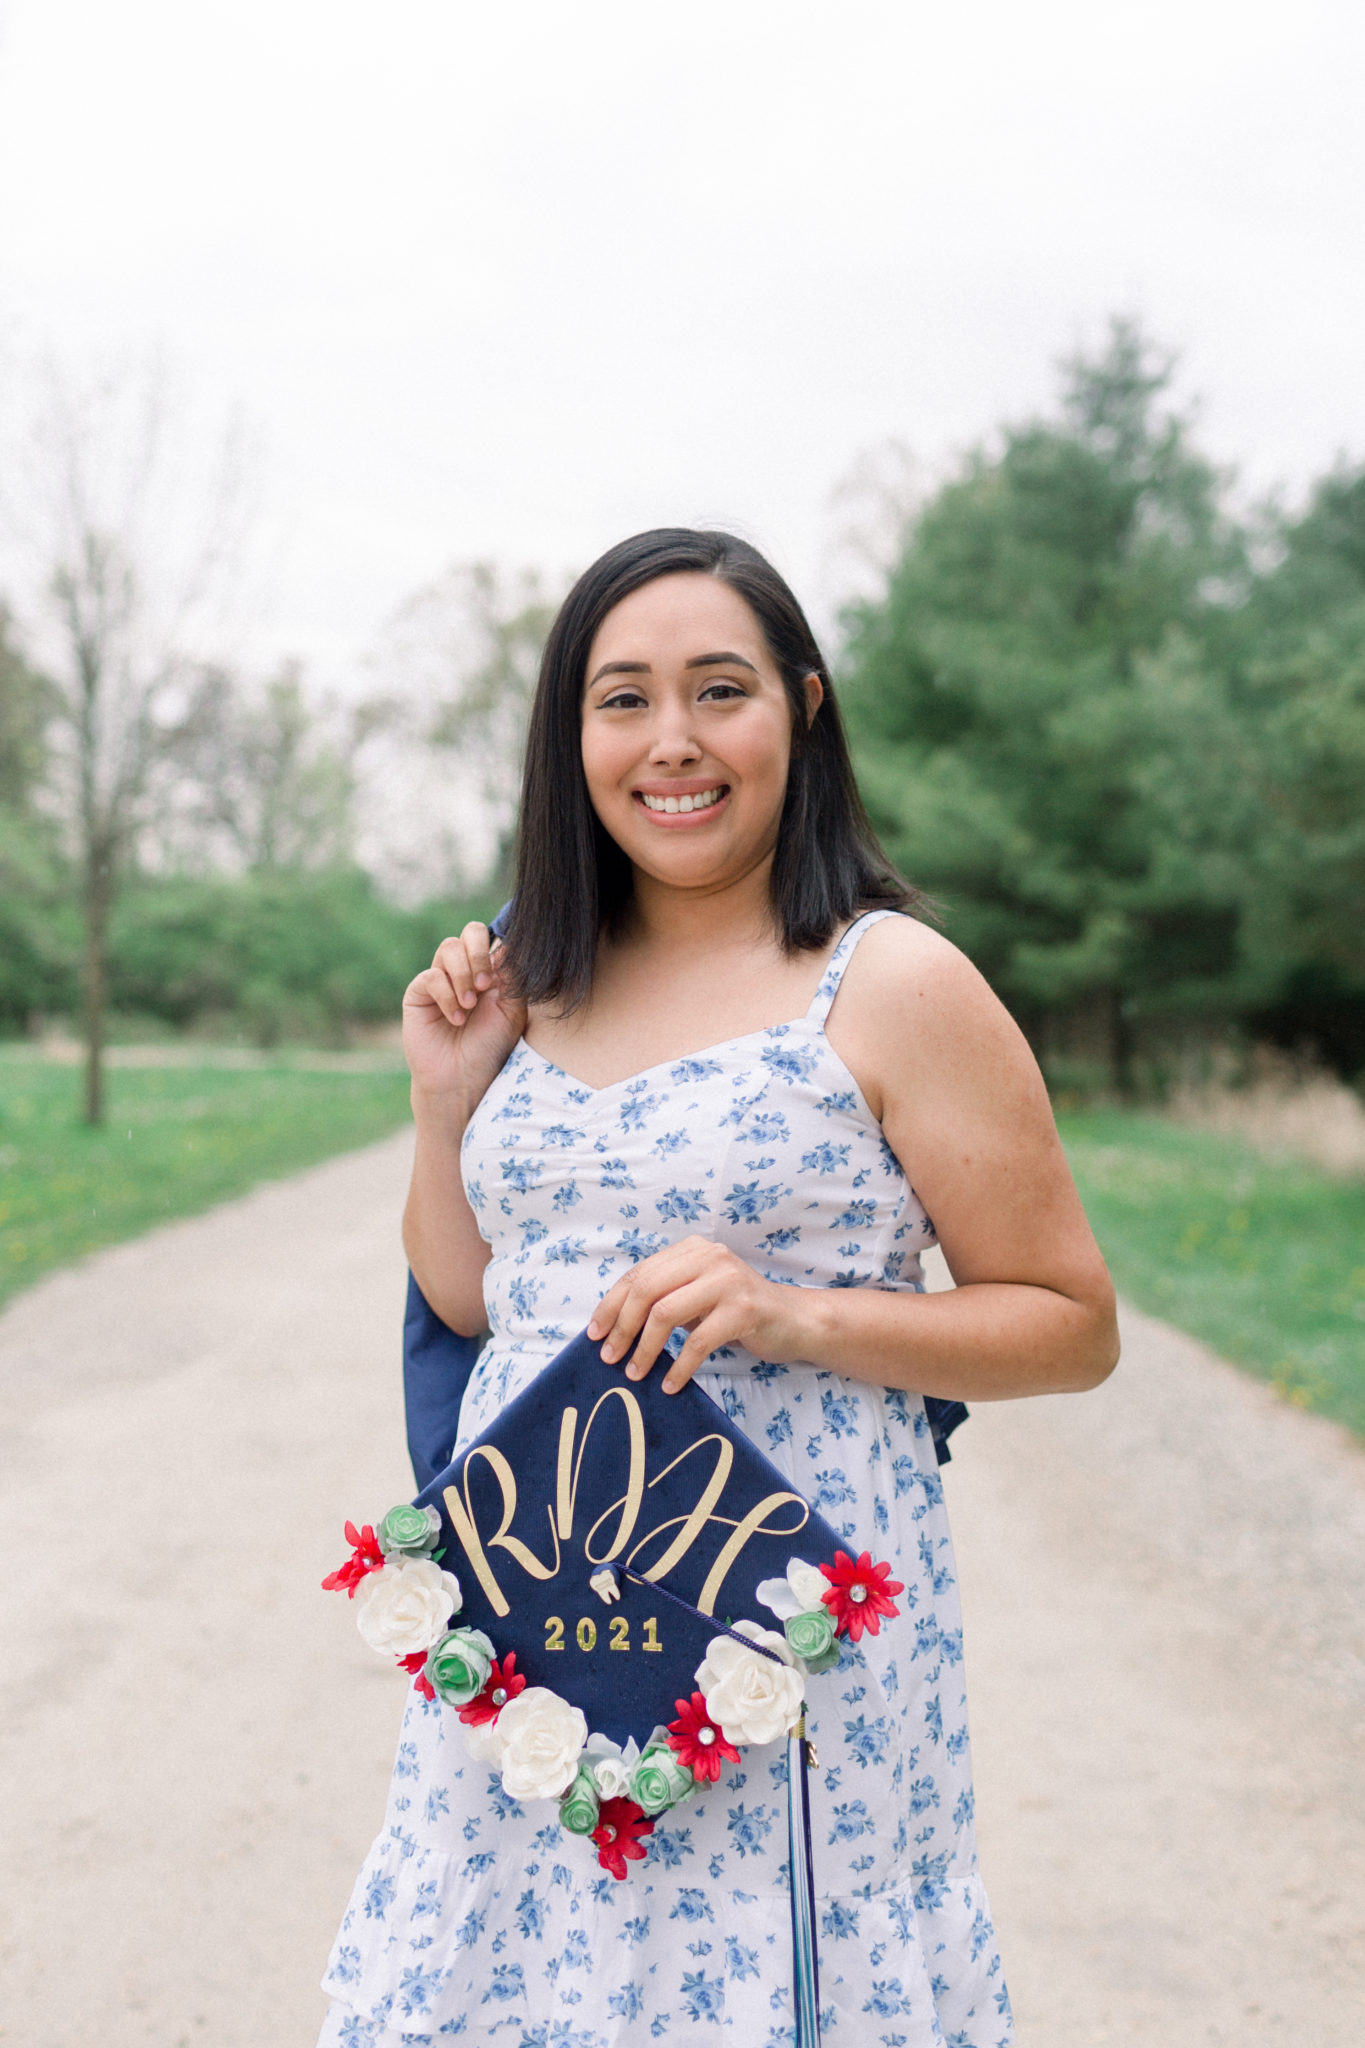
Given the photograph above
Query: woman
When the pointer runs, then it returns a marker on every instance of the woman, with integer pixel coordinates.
(684, 1104)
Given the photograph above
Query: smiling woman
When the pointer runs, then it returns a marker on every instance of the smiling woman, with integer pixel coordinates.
(704, 1102)
(698, 628)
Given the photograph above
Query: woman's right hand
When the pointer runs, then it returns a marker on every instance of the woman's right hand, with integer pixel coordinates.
(459, 1021)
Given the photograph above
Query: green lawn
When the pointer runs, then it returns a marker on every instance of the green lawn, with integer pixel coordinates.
(177, 1139)
(1262, 1259)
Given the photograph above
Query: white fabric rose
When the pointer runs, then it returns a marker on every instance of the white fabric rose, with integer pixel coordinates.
(542, 1738)
(483, 1740)
(405, 1606)
(611, 1766)
(748, 1696)
(799, 1593)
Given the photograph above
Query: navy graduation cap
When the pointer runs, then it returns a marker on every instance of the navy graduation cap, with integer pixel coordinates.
(604, 1532)
(591, 1585)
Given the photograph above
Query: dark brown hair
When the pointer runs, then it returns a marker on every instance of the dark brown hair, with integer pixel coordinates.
(573, 881)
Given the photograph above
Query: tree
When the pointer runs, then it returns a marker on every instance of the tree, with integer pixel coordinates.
(24, 703)
(128, 547)
(31, 879)
(996, 697)
(259, 779)
(461, 658)
(1257, 770)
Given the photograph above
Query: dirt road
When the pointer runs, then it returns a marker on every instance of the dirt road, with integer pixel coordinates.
(1163, 1590)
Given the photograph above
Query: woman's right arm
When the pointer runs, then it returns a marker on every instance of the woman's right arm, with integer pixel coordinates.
(459, 1025)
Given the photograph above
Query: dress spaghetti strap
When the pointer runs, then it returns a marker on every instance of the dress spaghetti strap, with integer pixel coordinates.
(838, 961)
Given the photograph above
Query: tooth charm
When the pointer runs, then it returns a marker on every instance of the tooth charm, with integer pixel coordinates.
(606, 1584)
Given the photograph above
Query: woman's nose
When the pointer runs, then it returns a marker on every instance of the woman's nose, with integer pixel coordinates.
(674, 741)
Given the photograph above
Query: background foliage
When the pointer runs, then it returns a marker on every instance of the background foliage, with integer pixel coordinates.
(1119, 732)
(1111, 719)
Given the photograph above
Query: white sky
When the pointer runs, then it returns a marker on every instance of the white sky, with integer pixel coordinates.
(514, 280)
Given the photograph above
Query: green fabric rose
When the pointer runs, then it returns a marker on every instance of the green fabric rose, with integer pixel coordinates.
(659, 1781)
(413, 1531)
(459, 1665)
(830, 1661)
(580, 1805)
(809, 1635)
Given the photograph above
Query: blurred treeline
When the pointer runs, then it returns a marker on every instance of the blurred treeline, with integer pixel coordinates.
(242, 908)
(1112, 719)
(1116, 726)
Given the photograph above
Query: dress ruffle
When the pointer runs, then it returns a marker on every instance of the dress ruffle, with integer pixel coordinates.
(915, 1963)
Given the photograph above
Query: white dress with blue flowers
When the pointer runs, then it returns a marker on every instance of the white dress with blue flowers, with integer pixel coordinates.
(477, 1919)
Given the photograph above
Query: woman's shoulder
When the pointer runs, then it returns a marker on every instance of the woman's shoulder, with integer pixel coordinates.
(900, 960)
(913, 1007)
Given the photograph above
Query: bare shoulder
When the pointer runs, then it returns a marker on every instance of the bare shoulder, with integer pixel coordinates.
(914, 1012)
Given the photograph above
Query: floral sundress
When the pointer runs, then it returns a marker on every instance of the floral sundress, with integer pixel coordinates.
(475, 1918)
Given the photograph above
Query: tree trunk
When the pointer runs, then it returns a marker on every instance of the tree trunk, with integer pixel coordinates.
(94, 979)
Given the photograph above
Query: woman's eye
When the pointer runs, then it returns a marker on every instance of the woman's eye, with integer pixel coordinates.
(622, 700)
(723, 690)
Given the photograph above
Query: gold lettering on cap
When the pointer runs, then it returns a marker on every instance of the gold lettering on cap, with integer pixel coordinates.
(749, 1525)
(695, 1522)
(461, 1514)
(569, 1469)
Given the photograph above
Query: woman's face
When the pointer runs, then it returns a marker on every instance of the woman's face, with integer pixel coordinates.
(687, 732)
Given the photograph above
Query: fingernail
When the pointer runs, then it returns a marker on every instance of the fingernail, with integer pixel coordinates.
(635, 1372)
(593, 1331)
(481, 981)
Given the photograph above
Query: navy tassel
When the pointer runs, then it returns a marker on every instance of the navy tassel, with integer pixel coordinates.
(805, 1952)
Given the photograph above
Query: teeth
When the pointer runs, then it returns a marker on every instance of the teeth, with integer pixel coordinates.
(673, 804)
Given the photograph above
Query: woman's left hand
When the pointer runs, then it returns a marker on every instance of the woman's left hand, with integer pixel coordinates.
(705, 1289)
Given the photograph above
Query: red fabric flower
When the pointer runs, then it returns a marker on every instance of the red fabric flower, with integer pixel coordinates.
(416, 1663)
(697, 1742)
(366, 1557)
(859, 1594)
(621, 1826)
(504, 1678)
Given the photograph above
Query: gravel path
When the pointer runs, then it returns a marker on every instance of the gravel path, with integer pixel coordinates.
(1163, 1591)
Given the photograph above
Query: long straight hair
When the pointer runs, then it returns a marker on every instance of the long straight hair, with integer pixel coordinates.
(573, 882)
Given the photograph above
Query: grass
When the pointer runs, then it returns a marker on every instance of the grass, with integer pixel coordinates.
(177, 1140)
(1263, 1259)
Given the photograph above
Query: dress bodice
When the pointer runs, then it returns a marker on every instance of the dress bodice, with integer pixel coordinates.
(763, 1143)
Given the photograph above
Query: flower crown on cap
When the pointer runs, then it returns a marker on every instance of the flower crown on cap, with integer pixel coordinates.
(750, 1684)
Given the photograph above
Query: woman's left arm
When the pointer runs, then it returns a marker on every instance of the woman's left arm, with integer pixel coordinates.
(959, 1096)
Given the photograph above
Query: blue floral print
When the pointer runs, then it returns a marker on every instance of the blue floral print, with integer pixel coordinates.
(475, 1919)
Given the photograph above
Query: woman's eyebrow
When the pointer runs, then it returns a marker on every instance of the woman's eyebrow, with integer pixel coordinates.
(620, 668)
(720, 661)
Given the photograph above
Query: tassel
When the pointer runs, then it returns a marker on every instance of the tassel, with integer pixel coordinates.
(801, 1862)
(801, 1757)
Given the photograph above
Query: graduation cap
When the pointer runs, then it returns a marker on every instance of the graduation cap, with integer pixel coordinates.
(610, 1543)
(605, 1532)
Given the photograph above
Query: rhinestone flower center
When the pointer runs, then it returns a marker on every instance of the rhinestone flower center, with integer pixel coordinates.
(858, 1592)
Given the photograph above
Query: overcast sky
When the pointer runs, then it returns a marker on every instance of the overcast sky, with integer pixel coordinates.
(513, 280)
